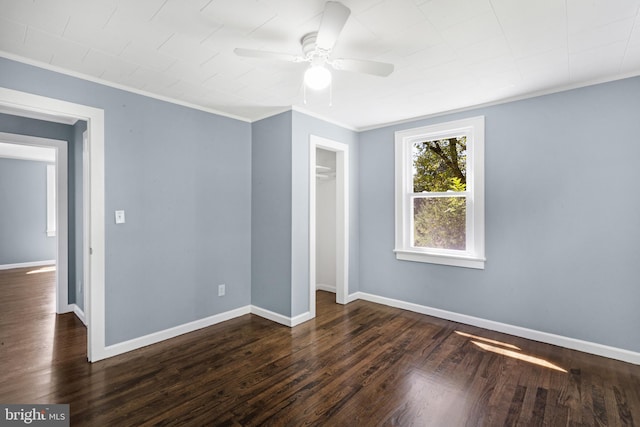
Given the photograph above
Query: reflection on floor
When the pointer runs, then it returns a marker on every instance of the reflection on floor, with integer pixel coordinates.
(361, 364)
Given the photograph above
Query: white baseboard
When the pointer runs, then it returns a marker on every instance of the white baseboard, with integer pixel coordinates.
(156, 337)
(136, 343)
(353, 297)
(323, 287)
(559, 340)
(67, 308)
(301, 318)
(279, 318)
(78, 312)
(270, 315)
(28, 264)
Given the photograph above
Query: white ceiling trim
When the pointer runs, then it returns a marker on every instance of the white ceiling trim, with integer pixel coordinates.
(271, 114)
(319, 116)
(82, 76)
(448, 54)
(536, 94)
(302, 110)
(69, 73)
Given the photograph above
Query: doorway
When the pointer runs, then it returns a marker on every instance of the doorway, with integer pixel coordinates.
(326, 220)
(38, 149)
(40, 107)
(329, 210)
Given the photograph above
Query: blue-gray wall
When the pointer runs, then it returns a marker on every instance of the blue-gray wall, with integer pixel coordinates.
(561, 212)
(183, 177)
(271, 214)
(562, 218)
(23, 212)
(280, 209)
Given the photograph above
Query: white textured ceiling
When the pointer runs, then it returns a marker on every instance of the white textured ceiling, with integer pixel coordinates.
(448, 54)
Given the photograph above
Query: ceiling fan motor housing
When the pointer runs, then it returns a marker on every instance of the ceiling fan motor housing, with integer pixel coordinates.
(317, 46)
(310, 49)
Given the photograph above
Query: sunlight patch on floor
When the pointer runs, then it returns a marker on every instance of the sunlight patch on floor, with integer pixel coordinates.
(47, 269)
(519, 356)
(500, 343)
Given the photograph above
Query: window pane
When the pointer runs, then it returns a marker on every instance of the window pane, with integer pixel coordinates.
(439, 222)
(440, 165)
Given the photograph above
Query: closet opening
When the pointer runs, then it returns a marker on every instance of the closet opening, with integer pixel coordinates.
(329, 219)
(326, 220)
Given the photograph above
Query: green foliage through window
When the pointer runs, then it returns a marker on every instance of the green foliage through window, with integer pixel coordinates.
(436, 162)
(440, 166)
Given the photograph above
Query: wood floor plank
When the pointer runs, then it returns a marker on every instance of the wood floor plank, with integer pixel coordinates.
(361, 364)
(515, 408)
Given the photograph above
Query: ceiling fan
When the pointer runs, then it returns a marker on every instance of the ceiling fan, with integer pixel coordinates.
(316, 50)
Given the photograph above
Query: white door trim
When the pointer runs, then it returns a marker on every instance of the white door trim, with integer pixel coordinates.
(342, 218)
(62, 224)
(26, 102)
(86, 220)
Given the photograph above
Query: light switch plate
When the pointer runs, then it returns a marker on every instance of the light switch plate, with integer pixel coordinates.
(119, 217)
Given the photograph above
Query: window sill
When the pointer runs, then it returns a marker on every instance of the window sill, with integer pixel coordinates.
(453, 260)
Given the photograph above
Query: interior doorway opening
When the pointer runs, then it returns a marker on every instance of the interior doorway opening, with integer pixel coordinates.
(55, 110)
(328, 219)
(31, 148)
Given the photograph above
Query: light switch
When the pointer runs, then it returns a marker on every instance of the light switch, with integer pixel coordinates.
(119, 217)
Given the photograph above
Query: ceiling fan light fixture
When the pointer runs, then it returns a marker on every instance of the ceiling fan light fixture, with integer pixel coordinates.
(317, 49)
(317, 77)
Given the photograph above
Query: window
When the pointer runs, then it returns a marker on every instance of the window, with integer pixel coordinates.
(51, 200)
(440, 193)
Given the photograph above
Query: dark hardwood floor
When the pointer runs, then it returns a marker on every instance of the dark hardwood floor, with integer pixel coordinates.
(357, 365)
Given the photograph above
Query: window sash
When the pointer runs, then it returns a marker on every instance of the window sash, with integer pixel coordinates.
(469, 220)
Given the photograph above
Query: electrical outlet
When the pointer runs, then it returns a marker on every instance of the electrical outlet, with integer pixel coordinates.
(221, 290)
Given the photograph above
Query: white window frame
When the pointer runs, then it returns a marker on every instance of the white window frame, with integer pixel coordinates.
(473, 256)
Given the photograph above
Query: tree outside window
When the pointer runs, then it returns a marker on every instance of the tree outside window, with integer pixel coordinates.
(439, 166)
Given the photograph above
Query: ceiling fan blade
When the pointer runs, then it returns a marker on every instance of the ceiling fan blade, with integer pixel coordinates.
(262, 54)
(333, 19)
(381, 69)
